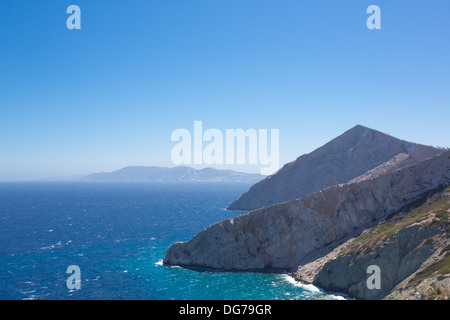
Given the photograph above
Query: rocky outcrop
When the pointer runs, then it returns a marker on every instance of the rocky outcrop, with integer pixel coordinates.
(400, 160)
(411, 250)
(351, 155)
(287, 234)
(401, 256)
(434, 288)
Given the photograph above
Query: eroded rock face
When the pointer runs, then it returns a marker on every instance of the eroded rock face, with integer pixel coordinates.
(282, 235)
(358, 153)
(411, 251)
(397, 259)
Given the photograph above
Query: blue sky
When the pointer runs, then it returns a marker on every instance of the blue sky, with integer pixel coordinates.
(110, 95)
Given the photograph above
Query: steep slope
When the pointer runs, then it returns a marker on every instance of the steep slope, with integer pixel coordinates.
(284, 235)
(349, 156)
(411, 249)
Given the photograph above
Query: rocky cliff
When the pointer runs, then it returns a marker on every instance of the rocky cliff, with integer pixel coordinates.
(359, 153)
(290, 234)
(411, 250)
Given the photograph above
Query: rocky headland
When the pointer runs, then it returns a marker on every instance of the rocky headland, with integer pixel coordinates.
(322, 237)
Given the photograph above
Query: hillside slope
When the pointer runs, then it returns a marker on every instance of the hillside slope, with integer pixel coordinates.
(412, 250)
(352, 155)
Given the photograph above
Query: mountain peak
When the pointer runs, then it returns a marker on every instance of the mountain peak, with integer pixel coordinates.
(350, 155)
(361, 127)
(360, 130)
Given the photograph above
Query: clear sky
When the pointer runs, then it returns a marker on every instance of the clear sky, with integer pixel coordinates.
(110, 95)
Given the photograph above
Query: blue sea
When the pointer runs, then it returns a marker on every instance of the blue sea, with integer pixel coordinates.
(118, 234)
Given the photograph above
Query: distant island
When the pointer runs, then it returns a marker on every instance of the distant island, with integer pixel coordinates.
(175, 174)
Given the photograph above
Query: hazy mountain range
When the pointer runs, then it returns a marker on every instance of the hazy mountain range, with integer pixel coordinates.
(175, 174)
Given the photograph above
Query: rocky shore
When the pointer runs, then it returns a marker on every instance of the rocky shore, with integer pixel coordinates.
(329, 238)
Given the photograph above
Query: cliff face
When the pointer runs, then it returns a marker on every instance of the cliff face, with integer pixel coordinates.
(411, 250)
(287, 234)
(359, 153)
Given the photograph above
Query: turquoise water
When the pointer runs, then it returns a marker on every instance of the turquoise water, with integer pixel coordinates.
(118, 234)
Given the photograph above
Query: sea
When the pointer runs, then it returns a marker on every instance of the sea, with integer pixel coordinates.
(117, 234)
